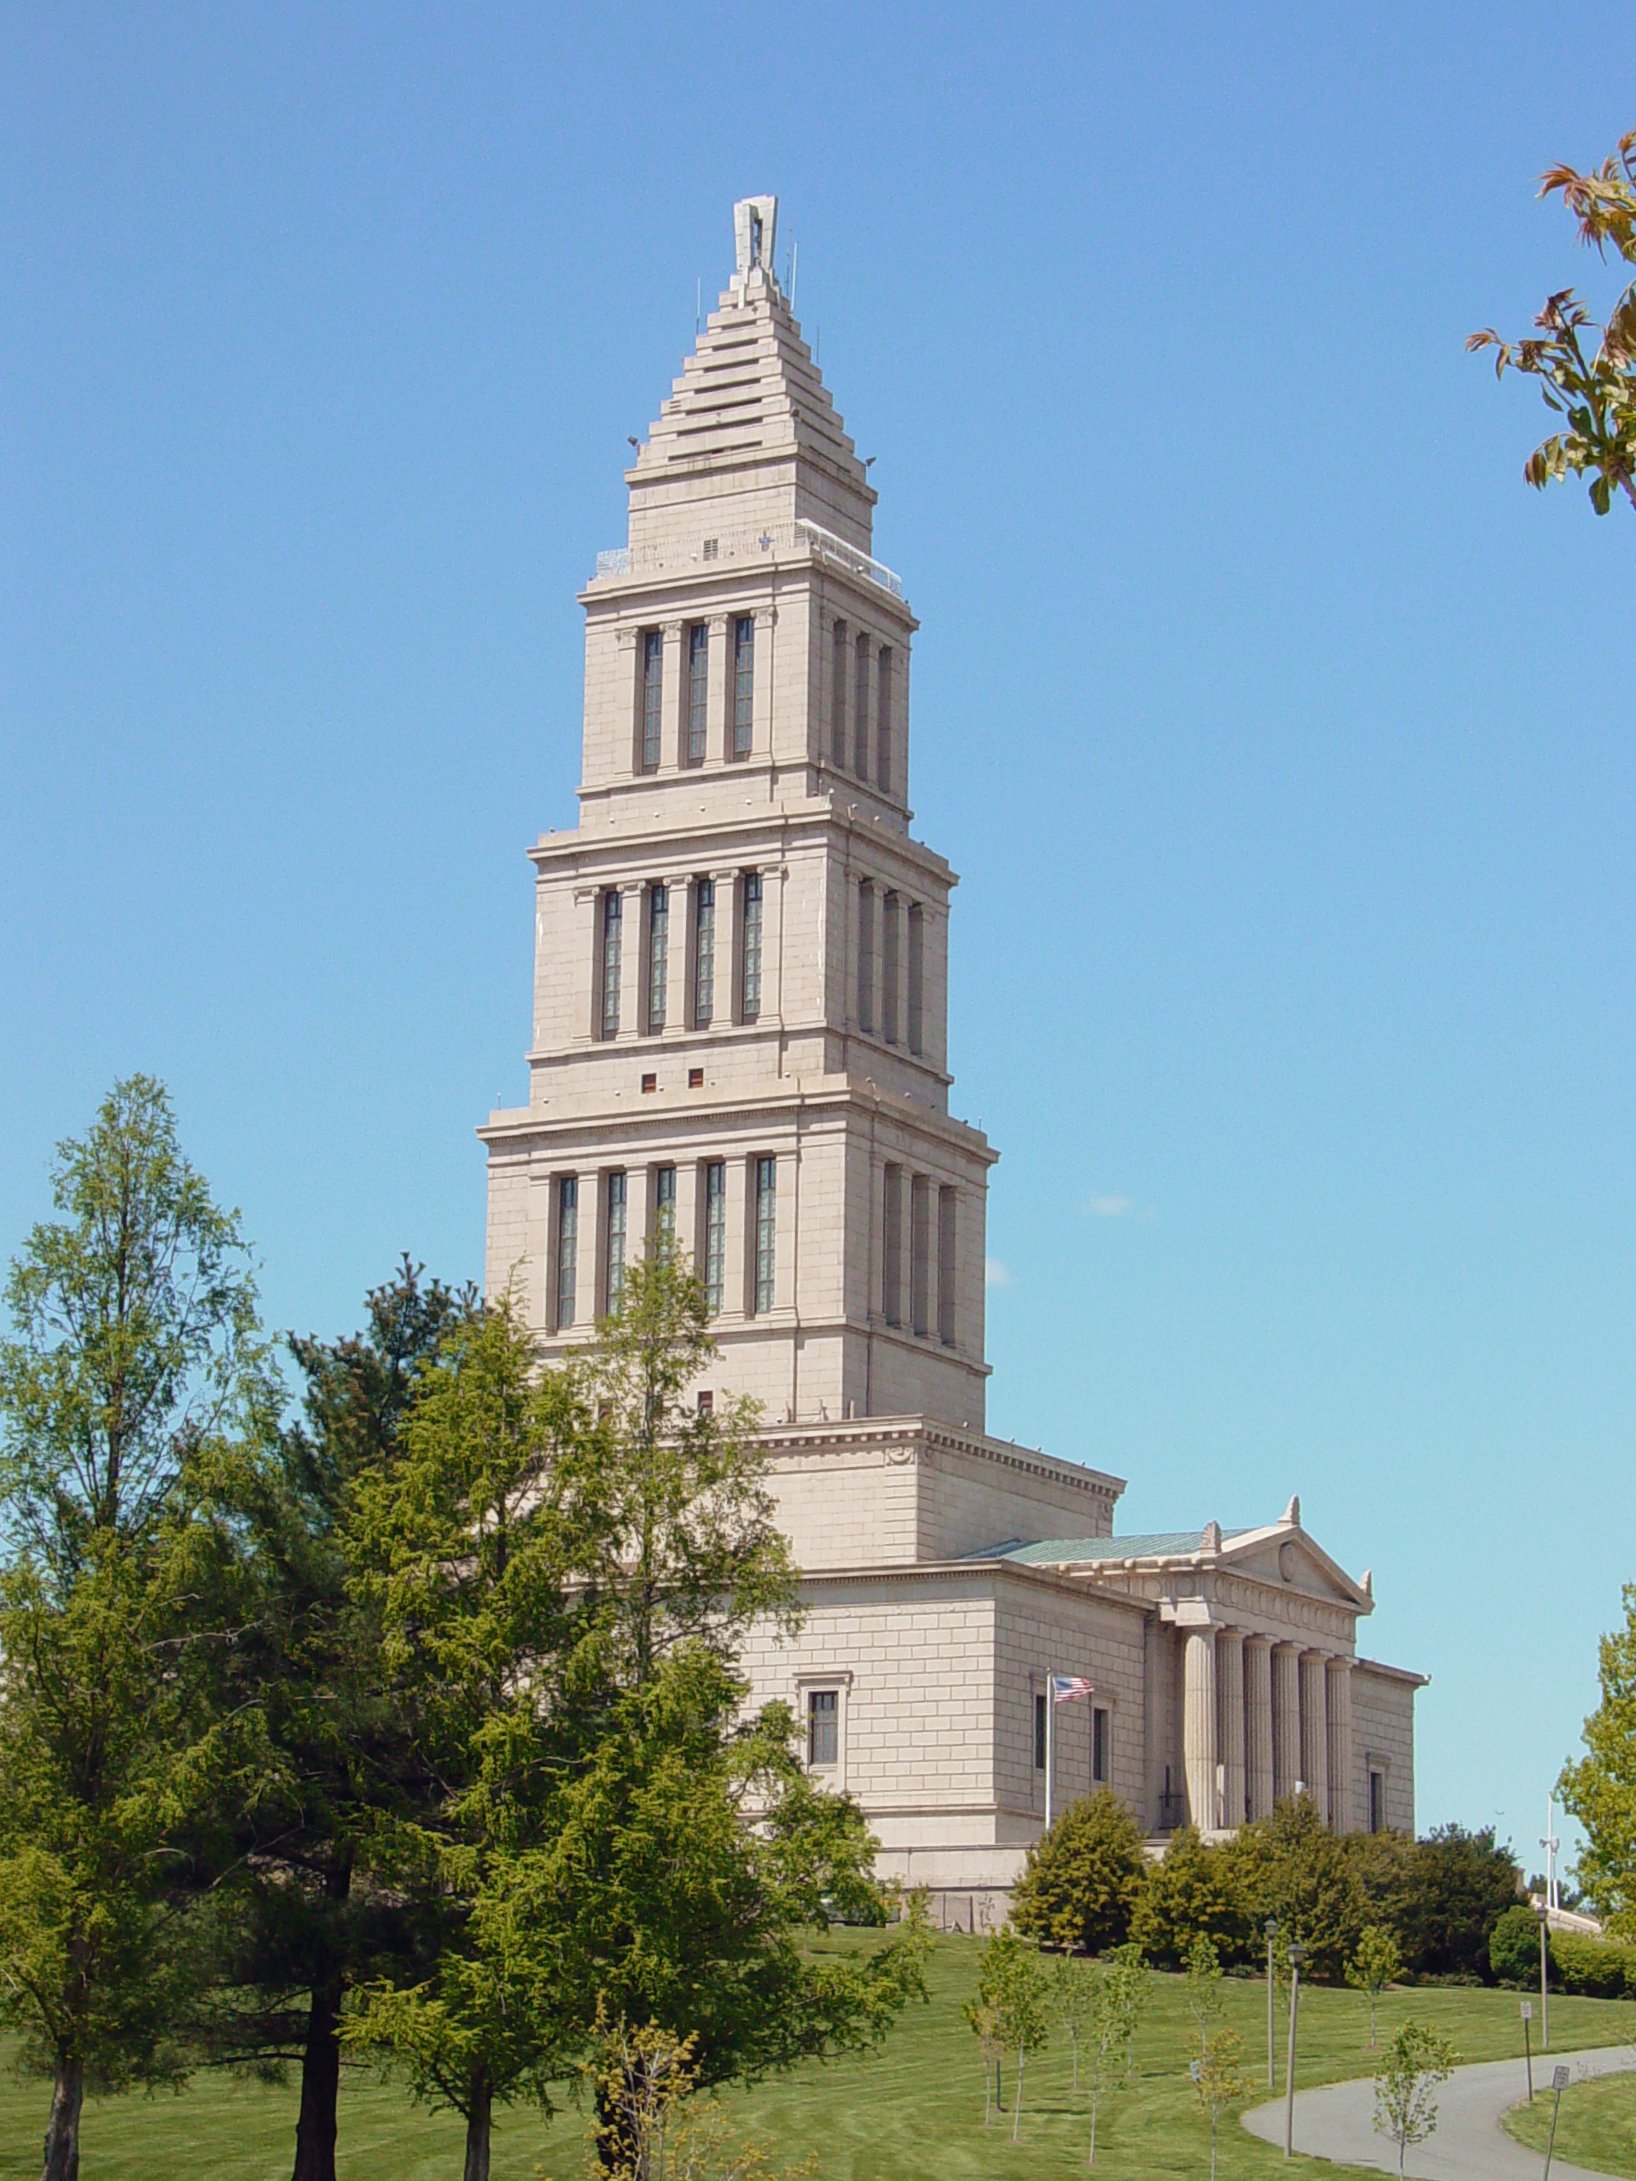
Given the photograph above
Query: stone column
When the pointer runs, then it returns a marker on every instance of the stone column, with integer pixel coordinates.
(1230, 1681)
(1258, 1725)
(1286, 1720)
(673, 717)
(1199, 1727)
(718, 739)
(1315, 1730)
(1343, 1785)
(633, 954)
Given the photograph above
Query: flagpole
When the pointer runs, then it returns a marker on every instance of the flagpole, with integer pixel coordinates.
(1050, 1743)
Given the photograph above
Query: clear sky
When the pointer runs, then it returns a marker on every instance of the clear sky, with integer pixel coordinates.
(1281, 736)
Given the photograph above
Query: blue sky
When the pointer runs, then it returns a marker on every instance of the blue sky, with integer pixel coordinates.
(1281, 736)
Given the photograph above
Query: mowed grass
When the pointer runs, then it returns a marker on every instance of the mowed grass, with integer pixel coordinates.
(1597, 2127)
(912, 2111)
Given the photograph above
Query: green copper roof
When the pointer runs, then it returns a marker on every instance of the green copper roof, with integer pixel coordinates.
(1151, 1545)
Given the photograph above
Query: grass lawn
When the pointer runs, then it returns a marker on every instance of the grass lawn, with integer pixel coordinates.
(1597, 2127)
(912, 2111)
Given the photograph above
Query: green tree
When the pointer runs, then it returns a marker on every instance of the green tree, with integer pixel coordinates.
(1293, 1867)
(1600, 1789)
(1083, 1877)
(1593, 389)
(1205, 1999)
(1374, 1964)
(1218, 2081)
(1013, 1980)
(1461, 1884)
(471, 1551)
(132, 1384)
(302, 1922)
(1073, 1993)
(1120, 1987)
(1513, 1947)
(983, 2020)
(1414, 2064)
(1125, 1976)
(1186, 1894)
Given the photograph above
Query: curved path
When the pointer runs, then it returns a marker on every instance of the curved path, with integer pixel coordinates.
(1470, 2145)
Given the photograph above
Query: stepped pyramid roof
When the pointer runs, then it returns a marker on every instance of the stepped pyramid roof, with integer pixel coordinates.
(749, 428)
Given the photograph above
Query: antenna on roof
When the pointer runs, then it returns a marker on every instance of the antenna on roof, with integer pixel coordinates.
(795, 262)
(698, 306)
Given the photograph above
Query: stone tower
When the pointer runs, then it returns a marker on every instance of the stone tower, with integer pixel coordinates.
(740, 989)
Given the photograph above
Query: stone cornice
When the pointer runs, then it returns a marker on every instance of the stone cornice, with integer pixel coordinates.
(912, 1434)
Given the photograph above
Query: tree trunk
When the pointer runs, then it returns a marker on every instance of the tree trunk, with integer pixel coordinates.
(479, 2112)
(317, 2122)
(1016, 2103)
(62, 2130)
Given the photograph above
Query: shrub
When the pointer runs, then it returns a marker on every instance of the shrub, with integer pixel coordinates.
(1595, 1968)
(1513, 1946)
(1083, 1877)
(1188, 1895)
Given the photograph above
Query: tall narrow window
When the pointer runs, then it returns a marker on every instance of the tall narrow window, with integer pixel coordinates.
(1101, 1760)
(883, 722)
(653, 697)
(917, 978)
(1039, 1733)
(698, 692)
(567, 1248)
(664, 1210)
(749, 1006)
(658, 956)
(889, 968)
(946, 1320)
(704, 953)
(860, 710)
(715, 1235)
(612, 910)
(616, 1243)
(766, 1235)
(744, 684)
(920, 1270)
(823, 1727)
(866, 957)
(892, 1244)
(837, 695)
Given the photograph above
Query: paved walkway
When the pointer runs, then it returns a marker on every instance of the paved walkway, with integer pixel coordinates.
(1470, 2145)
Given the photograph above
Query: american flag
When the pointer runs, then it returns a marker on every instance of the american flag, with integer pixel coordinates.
(1065, 1687)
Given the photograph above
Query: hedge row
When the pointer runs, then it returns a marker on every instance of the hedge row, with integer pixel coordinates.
(1593, 1968)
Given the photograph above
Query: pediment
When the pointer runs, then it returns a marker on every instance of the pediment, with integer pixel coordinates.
(1287, 1559)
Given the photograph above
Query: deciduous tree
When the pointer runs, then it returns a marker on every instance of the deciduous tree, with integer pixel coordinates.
(1416, 2062)
(134, 1380)
(1600, 1789)
(1587, 373)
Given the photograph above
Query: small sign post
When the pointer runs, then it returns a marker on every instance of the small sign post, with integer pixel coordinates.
(1528, 2044)
(1559, 2083)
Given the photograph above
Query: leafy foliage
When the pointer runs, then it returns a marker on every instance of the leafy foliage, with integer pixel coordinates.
(1373, 1966)
(1187, 1894)
(1592, 388)
(1083, 1877)
(1600, 1789)
(1513, 1946)
(1218, 2080)
(133, 1383)
(1414, 2064)
(1293, 1867)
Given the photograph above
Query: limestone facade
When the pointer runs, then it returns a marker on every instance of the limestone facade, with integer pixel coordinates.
(740, 1044)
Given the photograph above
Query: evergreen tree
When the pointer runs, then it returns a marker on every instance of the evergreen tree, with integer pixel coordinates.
(1293, 1867)
(301, 1922)
(1188, 1894)
(1083, 1877)
(133, 1390)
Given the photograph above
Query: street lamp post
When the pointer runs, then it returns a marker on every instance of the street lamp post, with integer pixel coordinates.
(1272, 2031)
(1544, 1916)
(1297, 1955)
